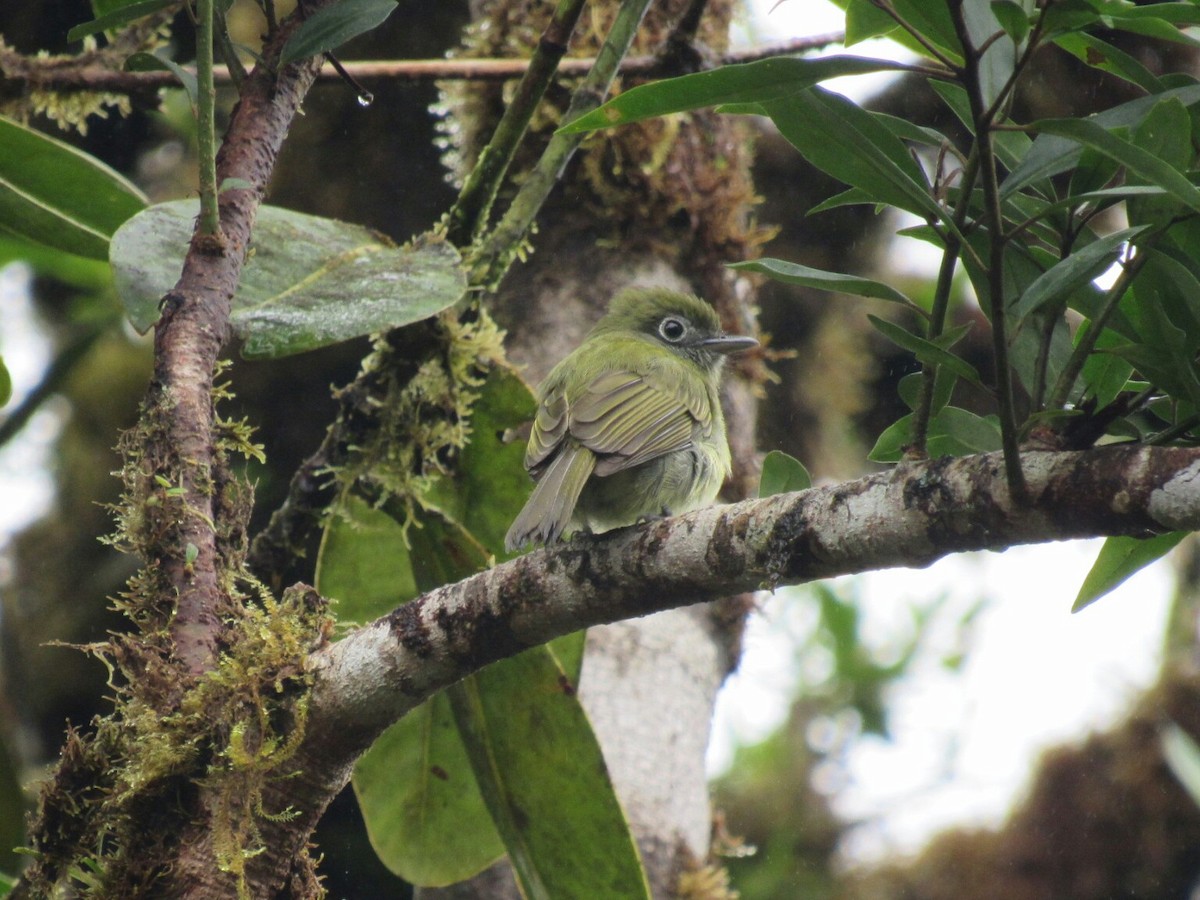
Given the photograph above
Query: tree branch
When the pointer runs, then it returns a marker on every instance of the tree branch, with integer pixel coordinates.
(911, 515)
(18, 71)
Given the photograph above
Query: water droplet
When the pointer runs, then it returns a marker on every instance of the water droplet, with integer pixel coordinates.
(366, 98)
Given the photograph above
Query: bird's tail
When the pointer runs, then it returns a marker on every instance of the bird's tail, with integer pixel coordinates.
(548, 511)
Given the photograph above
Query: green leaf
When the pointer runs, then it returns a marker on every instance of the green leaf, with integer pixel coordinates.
(422, 809)
(1071, 273)
(309, 281)
(152, 62)
(754, 82)
(909, 389)
(1119, 558)
(1104, 56)
(952, 432)
(56, 195)
(1051, 154)
(806, 276)
(847, 142)
(331, 26)
(782, 474)
(1012, 18)
(420, 804)
(5, 383)
(90, 275)
(865, 20)
(927, 351)
(1000, 53)
(119, 17)
(1166, 135)
(544, 779)
(1138, 161)
(1104, 374)
(1182, 755)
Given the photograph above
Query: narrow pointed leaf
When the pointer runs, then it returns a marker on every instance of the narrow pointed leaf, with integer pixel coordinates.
(1073, 272)
(1138, 161)
(1119, 558)
(754, 82)
(119, 17)
(1052, 154)
(849, 143)
(309, 282)
(330, 27)
(926, 351)
(56, 195)
(806, 276)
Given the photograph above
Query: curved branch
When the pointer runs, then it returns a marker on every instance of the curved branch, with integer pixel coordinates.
(911, 515)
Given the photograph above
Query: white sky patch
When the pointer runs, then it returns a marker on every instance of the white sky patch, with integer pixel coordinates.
(25, 484)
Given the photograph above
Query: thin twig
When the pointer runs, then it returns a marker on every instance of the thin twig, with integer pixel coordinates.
(93, 77)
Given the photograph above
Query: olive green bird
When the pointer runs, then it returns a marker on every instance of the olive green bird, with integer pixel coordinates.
(629, 424)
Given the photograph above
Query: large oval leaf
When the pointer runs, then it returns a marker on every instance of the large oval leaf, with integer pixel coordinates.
(307, 283)
(57, 195)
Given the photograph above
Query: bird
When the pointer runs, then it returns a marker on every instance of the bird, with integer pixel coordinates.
(629, 424)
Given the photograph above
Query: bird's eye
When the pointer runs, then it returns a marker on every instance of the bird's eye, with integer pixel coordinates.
(672, 329)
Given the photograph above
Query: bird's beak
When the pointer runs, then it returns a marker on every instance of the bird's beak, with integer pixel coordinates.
(729, 343)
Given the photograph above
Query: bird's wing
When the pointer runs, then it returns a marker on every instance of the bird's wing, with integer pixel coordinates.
(629, 418)
(549, 429)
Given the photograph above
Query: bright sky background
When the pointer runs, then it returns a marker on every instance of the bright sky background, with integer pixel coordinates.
(965, 742)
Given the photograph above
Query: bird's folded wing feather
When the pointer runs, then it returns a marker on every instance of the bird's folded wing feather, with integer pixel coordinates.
(627, 419)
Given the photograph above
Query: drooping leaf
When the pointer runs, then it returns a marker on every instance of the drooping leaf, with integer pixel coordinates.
(309, 282)
(543, 777)
(782, 474)
(847, 142)
(331, 26)
(56, 195)
(5, 383)
(420, 803)
(421, 806)
(120, 16)
(153, 62)
(1104, 56)
(754, 82)
(1052, 154)
(806, 276)
(1073, 271)
(1166, 135)
(928, 351)
(1119, 558)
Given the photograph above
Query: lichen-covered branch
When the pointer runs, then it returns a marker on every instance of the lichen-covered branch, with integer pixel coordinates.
(188, 339)
(911, 515)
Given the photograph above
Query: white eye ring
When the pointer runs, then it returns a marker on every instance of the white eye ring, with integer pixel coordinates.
(672, 329)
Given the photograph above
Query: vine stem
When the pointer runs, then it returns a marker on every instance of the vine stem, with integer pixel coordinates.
(982, 113)
(206, 140)
(468, 217)
(498, 250)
